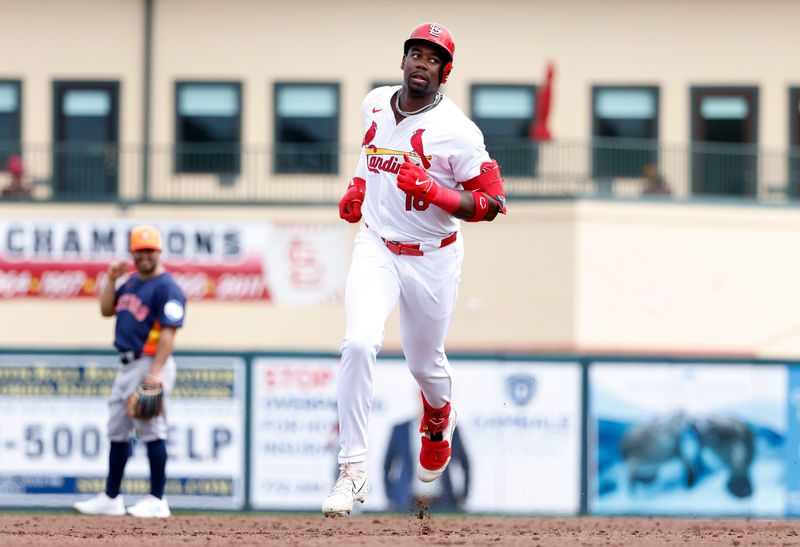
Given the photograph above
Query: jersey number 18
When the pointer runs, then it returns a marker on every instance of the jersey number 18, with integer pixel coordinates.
(417, 204)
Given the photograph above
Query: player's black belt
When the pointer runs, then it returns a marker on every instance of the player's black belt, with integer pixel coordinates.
(413, 249)
(126, 357)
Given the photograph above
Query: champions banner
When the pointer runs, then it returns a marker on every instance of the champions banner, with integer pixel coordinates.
(288, 263)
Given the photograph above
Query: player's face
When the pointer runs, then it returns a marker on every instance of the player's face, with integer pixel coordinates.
(146, 261)
(421, 68)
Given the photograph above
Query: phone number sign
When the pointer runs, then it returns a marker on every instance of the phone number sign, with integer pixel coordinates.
(53, 442)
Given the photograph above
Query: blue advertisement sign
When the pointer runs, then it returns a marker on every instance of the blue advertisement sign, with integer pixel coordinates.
(689, 439)
(793, 444)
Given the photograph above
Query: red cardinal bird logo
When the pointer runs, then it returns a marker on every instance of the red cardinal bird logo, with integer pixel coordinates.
(370, 134)
(416, 146)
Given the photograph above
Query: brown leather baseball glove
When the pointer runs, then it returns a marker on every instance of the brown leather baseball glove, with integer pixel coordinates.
(146, 401)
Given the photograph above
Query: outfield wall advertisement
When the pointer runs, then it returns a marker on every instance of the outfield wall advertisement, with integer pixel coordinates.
(682, 439)
(689, 439)
(293, 417)
(517, 447)
(793, 443)
(53, 444)
(287, 263)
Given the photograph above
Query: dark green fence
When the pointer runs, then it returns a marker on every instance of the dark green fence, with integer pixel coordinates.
(317, 173)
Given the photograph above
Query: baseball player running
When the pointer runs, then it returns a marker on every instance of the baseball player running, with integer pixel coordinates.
(423, 166)
(149, 307)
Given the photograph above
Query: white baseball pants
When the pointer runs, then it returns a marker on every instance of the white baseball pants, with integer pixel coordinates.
(426, 288)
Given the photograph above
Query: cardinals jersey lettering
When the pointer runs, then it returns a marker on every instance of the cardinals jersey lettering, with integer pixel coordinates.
(443, 141)
(143, 307)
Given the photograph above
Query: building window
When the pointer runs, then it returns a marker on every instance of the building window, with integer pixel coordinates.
(307, 128)
(10, 126)
(504, 113)
(794, 141)
(724, 140)
(624, 130)
(86, 138)
(208, 127)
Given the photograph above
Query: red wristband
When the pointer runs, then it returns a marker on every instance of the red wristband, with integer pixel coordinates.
(481, 206)
(447, 199)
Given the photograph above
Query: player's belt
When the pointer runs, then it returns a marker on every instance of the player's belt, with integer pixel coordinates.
(413, 249)
(126, 357)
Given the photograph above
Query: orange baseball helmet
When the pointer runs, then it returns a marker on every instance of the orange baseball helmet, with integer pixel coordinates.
(145, 238)
(436, 34)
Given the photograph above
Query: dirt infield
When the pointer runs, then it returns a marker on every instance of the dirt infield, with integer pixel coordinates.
(189, 530)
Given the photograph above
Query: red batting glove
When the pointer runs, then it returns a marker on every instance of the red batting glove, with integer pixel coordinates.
(413, 180)
(350, 204)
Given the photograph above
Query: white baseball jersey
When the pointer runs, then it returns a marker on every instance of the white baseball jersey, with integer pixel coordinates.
(450, 148)
(447, 144)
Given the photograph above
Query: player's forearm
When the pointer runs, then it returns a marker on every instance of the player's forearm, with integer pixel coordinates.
(466, 207)
(108, 299)
(166, 344)
(471, 204)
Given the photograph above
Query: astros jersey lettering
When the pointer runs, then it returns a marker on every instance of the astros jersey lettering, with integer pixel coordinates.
(447, 144)
(145, 306)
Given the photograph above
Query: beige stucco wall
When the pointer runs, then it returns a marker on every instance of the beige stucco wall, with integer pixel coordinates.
(674, 44)
(671, 43)
(47, 40)
(556, 275)
(584, 276)
(502, 289)
(697, 279)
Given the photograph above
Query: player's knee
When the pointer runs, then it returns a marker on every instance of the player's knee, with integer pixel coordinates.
(426, 365)
(421, 374)
(425, 368)
(359, 347)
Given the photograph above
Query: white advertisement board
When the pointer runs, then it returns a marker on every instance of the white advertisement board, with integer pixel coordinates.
(517, 448)
(293, 441)
(53, 444)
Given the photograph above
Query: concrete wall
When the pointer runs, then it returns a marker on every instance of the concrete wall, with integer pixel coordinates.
(47, 40)
(583, 276)
(557, 275)
(671, 43)
(683, 278)
(501, 295)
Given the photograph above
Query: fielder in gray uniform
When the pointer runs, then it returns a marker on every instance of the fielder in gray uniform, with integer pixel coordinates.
(149, 307)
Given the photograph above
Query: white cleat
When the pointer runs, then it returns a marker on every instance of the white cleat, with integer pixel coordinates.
(101, 504)
(436, 454)
(150, 507)
(350, 486)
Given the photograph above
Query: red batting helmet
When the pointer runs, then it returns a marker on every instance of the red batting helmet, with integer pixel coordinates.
(436, 34)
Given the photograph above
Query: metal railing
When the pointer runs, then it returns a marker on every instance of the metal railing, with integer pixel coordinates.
(317, 174)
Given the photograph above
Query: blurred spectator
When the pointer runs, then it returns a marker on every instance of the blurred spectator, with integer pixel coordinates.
(654, 182)
(16, 189)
